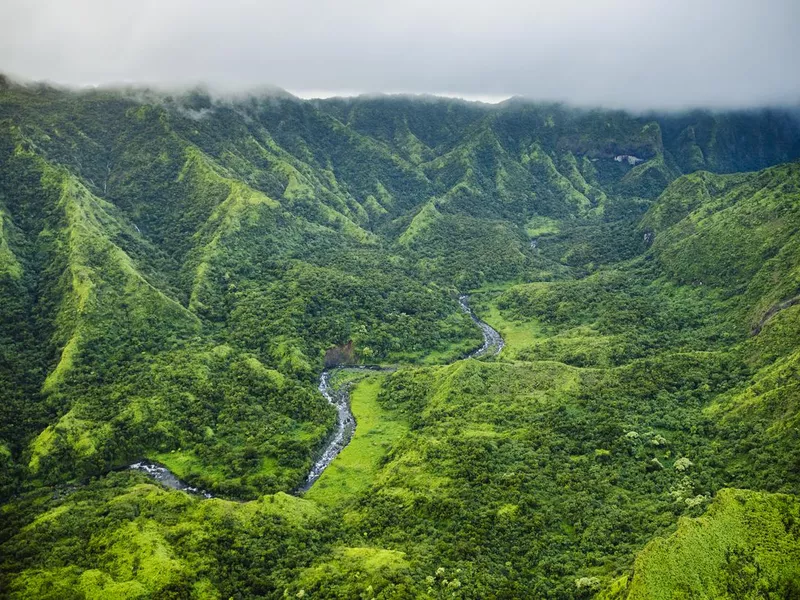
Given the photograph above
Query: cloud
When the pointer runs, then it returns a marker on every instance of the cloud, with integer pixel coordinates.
(634, 54)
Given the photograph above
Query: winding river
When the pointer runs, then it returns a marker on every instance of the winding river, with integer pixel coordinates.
(493, 342)
(339, 398)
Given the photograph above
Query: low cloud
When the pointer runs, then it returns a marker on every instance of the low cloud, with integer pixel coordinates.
(646, 54)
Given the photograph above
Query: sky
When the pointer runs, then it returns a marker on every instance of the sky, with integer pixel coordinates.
(642, 54)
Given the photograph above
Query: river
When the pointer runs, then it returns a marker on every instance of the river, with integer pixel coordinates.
(493, 342)
(166, 477)
(339, 398)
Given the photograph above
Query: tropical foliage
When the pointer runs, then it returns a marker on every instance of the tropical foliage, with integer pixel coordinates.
(177, 269)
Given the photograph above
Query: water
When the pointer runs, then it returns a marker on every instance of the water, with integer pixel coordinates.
(339, 398)
(493, 342)
(166, 477)
(345, 427)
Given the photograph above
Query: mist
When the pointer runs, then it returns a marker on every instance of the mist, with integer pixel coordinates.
(646, 55)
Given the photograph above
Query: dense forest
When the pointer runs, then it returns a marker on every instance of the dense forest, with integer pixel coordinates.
(177, 268)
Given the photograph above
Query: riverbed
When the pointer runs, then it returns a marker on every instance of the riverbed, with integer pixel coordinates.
(339, 398)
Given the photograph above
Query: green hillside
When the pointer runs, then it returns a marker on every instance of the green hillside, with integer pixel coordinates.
(176, 270)
(745, 546)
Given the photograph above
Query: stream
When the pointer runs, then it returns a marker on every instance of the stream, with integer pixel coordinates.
(339, 398)
(166, 477)
(493, 342)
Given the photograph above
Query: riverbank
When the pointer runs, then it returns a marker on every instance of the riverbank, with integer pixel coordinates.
(355, 467)
(358, 462)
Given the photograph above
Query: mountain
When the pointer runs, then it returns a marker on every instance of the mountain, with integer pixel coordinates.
(176, 269)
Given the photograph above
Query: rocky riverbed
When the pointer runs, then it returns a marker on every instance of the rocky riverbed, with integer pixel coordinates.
(339, 398)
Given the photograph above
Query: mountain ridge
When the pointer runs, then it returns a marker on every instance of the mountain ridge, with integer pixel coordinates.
(173, 272)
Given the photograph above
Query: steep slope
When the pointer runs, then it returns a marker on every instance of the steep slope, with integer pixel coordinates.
(137, 297)
(747, 140)
(736, 233)
(129, 538)
(175, 269)
(745, 546)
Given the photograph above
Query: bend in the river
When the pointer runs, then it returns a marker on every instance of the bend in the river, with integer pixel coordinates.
(339, 398)
(493, 342)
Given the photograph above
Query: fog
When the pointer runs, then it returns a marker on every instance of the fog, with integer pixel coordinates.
(650, 54)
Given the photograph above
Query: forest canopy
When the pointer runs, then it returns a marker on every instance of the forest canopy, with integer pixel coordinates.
(176, 271)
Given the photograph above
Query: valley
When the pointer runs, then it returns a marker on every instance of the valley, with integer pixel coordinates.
(396, 347)
(339, 397)
(346, 423)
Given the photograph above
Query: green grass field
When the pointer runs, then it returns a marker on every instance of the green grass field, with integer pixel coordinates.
(186, 465)
(539, 225)
(353, 471)
(518, 335)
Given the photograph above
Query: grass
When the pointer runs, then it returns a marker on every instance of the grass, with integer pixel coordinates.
(527, 339)
(363, 566)
(423, 219)
(538, 226)
(185, 465)
(744, 542)
(353, 471)
(453, 352)
(518, 335)
(449, 353)
(9, 265)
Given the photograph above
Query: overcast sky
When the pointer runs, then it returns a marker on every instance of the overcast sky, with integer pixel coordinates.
(635, 54)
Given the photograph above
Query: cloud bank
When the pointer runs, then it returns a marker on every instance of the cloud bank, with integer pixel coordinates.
(644, 54)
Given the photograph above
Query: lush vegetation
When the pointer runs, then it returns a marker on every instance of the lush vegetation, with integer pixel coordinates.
(745, 546)
(176, 270)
